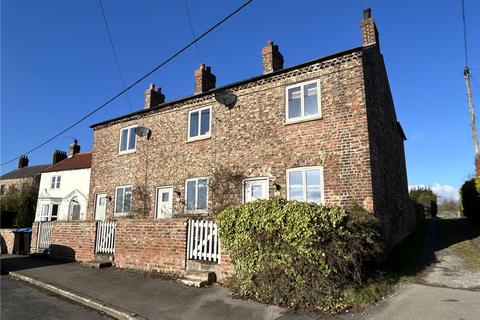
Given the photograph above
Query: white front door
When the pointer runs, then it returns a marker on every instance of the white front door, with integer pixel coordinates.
(255, 189)
(164, 202)
(100, 206)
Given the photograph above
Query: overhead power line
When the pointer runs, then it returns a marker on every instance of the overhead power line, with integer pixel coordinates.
(115, 55)
(193, 31)
(246, 3)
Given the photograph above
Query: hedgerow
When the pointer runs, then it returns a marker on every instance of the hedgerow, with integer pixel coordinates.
(298, 254)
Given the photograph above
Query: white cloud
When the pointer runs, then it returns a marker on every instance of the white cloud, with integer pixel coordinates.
(444, 192)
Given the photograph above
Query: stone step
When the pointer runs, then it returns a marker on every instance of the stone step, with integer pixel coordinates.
(98, 264)
(207, 276)
(103, 257)
(193, 283)
(195, 278)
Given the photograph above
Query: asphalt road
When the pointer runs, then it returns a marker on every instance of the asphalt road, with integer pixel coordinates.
(22, 301)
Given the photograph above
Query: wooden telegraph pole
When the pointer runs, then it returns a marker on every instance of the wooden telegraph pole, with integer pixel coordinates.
(466, 73)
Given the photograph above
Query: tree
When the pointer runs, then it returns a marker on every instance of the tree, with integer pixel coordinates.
(20, 201)
(426, 197)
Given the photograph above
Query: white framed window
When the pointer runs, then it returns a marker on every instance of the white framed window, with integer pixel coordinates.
(255, 189)
(128, 140)
(303, 101)
(305, 184)
(196, 194)
(123, 199)
(55, 182)
(199, 123)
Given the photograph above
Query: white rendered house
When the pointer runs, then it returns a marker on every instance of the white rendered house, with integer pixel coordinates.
(64, 187)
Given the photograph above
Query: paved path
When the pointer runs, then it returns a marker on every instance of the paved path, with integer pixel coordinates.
(449, 286)
(21, 301)
(142, 294)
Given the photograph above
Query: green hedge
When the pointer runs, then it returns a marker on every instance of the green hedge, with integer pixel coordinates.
(297, 254)
(470, 200)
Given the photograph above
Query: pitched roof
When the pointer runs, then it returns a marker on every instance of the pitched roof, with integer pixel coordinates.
(81, 160)
(197, 95)
(25, 172)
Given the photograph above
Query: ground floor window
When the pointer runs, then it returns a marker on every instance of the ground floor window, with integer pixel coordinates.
(305, 184)
(123, 199)
(196, 194)
(255, 189)
(49, 212)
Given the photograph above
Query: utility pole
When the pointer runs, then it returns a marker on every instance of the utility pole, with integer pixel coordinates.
(466, 73)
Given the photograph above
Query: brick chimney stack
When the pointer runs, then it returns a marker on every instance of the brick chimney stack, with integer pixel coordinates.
(22, 162)
(272, 58)
(204, 79)
(153, 97)
(58, 156)
(73, 148)
(369, 29)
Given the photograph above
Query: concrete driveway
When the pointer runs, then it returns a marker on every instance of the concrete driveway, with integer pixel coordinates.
(449, 285)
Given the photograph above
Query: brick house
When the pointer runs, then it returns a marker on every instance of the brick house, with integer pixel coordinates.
(323, 131)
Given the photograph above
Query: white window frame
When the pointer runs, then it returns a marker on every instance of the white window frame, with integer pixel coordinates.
(122, 213)
(56, 180)
(302, 102)
(304, 171)
(126, 151)
(254, 179)
(196, 196)
(200, 136)
(42, 216)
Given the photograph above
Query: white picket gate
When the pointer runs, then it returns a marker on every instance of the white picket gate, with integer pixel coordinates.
(202, 242)
(44, 234)
(105, 239)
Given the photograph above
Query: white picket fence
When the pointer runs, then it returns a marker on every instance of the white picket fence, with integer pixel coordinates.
(44, 234)
(105, 239)
(202, 242)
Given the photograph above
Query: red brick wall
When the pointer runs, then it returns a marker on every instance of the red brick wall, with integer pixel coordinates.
(7, 237)
(151, 245)
(73, 240)
(389, 174)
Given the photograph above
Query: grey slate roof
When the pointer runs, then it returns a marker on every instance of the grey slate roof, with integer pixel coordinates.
(25, 172)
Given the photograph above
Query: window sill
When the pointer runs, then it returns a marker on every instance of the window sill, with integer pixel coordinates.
(304, 119)
(196, 212)
(121, 153)
(199, 138)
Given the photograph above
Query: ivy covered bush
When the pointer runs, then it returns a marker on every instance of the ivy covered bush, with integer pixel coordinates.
(298, 254)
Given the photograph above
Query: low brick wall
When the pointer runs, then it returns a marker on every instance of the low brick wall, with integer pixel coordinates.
(151, 245)
(6, 240)
(148, 245)
(73, 240)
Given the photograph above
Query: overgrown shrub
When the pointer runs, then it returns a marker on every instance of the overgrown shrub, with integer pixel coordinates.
(426, 197)
(298, 254)
(470, 200)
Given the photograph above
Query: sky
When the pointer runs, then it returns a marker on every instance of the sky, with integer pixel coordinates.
(57, 65)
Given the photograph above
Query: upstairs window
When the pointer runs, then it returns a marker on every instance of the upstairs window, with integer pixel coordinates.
(123, 199)
(305, 184)
(196, 194)
(128, 139)
(303, 101)
(199, 123)
(55, 182)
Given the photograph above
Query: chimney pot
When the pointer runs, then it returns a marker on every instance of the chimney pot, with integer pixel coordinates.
(272, 58)
(153, 97)
(74, 148)
(58, 155)
(22, 162)
(367, 13)
(204, 79)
